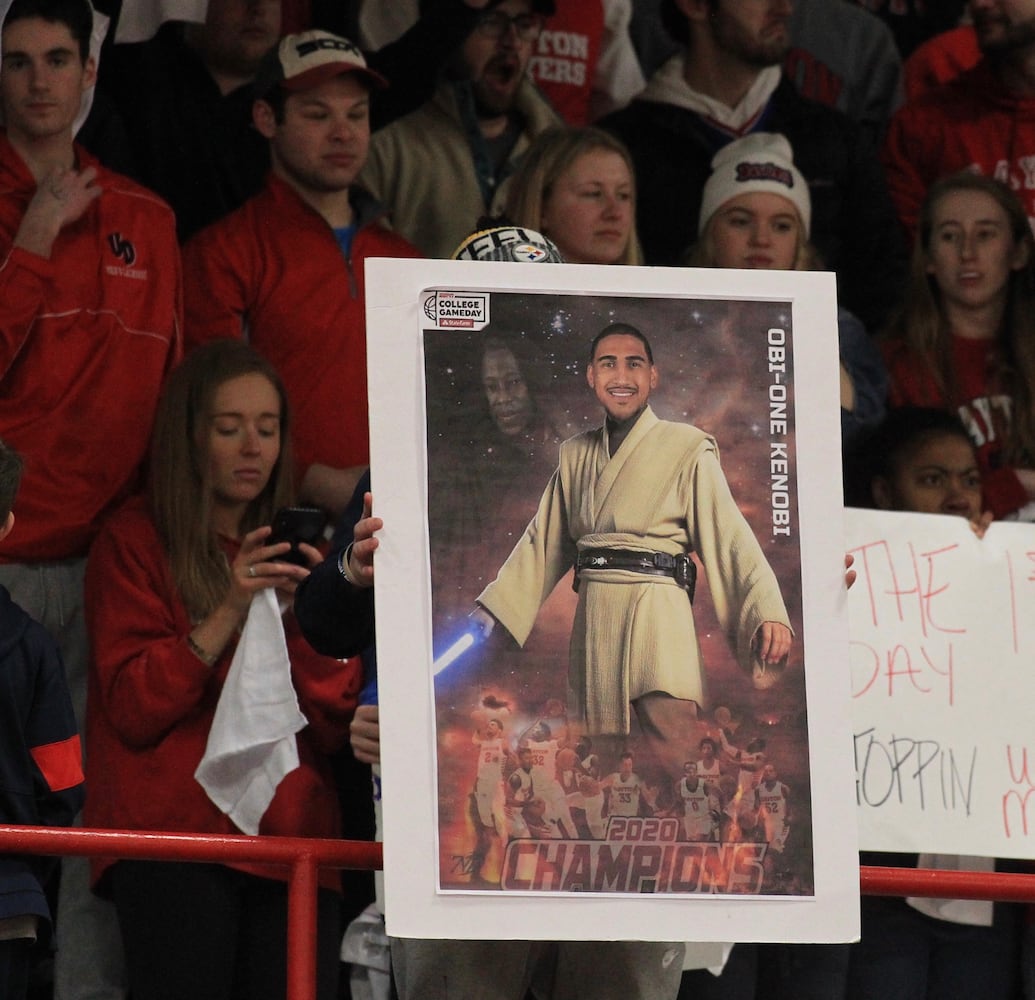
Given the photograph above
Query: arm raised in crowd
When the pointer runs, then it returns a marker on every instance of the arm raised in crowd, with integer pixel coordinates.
(334, 605)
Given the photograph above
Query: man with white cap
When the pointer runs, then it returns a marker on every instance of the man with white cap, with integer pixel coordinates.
(285, 270)
(185, 93)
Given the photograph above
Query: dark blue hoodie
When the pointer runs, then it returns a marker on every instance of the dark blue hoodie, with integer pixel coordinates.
(41, 777)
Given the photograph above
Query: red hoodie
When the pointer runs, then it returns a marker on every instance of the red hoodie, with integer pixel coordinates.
(972, 123)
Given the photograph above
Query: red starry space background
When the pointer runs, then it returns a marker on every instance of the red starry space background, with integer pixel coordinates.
(483, 487)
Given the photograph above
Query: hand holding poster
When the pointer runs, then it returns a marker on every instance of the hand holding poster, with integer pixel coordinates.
(605, 734)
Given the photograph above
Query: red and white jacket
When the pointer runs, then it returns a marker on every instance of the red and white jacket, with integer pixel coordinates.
(971, 123)
(151, 702)
(273, 273)
(86, 339)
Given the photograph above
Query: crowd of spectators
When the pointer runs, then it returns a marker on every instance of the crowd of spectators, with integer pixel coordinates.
(171, 189)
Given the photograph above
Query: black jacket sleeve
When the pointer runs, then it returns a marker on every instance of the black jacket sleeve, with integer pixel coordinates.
(336, 617)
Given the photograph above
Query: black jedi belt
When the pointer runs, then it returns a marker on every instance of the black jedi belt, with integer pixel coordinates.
(680, 568)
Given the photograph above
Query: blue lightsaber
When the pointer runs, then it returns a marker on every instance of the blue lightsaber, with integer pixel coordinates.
(469, 639)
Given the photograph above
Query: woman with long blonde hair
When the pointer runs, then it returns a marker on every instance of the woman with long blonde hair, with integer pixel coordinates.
(173, 582)
(577, 186)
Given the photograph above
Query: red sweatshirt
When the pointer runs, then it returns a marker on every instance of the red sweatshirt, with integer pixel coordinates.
(151, 702)
(273, 272)
(970, 123)
(985, 412)
(567, 51)
(86, 339)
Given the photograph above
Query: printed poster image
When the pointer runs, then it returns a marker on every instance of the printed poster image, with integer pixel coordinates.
(557, 771)
(616, 761)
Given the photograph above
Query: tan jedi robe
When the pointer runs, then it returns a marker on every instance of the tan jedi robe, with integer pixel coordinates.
(663, 491)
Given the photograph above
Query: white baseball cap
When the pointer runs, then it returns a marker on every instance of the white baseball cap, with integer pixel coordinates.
(308, 58)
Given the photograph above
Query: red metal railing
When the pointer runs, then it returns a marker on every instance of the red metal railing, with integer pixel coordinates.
(940, 884)
(303, 858)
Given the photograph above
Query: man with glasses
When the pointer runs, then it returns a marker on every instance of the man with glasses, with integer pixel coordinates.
(441, 166)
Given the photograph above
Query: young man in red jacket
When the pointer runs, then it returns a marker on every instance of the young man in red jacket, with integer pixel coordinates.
(286, 269)
(90, 302)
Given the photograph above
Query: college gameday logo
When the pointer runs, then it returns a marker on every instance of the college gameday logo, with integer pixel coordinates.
(457, 310)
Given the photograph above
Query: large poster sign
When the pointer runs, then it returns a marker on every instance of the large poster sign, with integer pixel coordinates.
(942, 648)
(598, 677)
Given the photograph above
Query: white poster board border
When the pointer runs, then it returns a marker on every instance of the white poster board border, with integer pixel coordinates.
(414, 905)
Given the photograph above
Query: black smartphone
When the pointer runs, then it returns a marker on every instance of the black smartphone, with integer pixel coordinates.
(294, 525)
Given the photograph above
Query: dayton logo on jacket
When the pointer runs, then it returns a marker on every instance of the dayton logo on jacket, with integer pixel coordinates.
(124, 251)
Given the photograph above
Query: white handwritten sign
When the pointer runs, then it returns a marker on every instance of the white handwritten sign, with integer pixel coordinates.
(942, 628)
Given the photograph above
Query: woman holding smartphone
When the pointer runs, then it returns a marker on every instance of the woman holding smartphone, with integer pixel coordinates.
(170, 583)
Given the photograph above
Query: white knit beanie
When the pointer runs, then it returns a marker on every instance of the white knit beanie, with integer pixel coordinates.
(761, 161)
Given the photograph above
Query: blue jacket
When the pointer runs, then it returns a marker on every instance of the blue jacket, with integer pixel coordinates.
(41, 776)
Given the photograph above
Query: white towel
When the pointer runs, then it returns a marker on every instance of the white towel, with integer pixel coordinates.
(251, 745)
(140, 19)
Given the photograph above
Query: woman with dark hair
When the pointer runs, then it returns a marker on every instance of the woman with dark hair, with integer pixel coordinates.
(922, 460)
(173, 581)
(965, 339)
(918, 459)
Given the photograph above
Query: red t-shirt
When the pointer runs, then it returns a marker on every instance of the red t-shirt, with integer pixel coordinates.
(564, 63)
